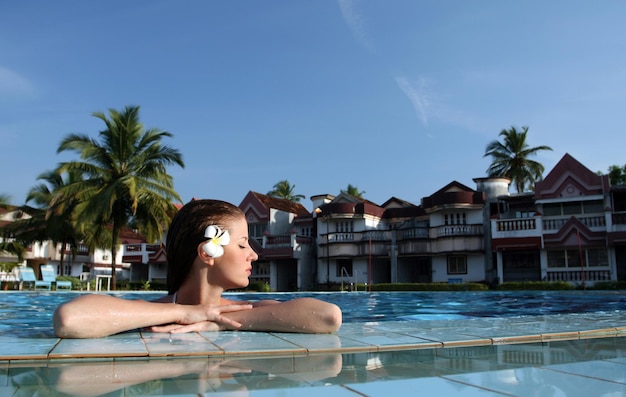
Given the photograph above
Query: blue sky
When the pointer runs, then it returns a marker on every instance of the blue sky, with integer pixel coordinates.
(398, 98)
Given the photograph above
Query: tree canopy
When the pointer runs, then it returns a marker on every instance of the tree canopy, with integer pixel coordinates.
(283, 189)
(124, 179)
(511, 159)
(353, 191)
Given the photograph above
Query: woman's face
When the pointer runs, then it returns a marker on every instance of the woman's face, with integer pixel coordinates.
(235, 266)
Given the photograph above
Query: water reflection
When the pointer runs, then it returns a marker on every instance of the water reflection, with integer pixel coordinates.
(173, 376)
(510, 367)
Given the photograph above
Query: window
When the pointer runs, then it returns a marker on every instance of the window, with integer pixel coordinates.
(552, 209)
(257, 229)
(344, 267)
(590, 207)
(457, 218)
(524, 214)
(556, 258)
(597, 257)
(592, 257)
(521, 260)
(457, 264)
(573, 208)
(573, 258)
(344, 227)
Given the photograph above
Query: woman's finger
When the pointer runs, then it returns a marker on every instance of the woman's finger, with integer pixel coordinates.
(163, 328)
(232, 308)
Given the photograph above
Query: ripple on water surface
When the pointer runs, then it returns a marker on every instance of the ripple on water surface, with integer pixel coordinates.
(28, 313)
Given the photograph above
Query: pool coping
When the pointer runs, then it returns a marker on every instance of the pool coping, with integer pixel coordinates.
(351, 338)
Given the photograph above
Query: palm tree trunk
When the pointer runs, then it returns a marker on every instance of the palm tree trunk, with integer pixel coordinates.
(114, 235)
(62, 257)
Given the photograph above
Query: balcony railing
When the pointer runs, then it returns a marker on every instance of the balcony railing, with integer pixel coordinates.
(138, 249)
(508, 225)
(412, 233)
(417, 233)
(593, 222)
(283, 241)
(579, 275)
(356, 237)
(457, 231)
(280, 241)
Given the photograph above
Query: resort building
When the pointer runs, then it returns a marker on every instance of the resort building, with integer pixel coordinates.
(76, 261)
(281, 233)
(441, 240)
(571, 227)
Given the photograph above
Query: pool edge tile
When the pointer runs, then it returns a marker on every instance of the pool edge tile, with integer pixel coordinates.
(569, 335)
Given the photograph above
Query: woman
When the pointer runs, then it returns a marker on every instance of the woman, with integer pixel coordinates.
(208, 252)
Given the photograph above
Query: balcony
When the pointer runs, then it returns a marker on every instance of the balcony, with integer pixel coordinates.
(516, 228)
(282, 245)
(578, 275)
(139, 253)
(595, 223)
(456, 231)
(354, 244)
(410, 241)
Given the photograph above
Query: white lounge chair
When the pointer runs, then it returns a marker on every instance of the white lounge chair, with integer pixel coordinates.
(49, 276)
(27, 276)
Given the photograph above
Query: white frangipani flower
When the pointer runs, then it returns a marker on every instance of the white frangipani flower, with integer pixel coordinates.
(218, 238)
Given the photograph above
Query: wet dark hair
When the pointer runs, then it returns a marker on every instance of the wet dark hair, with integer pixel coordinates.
(186, 232)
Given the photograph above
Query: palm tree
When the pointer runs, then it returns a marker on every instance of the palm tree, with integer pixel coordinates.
(353, 191)
(125, 179)
(283, 189)
(8, 243)
(617, 175)
(53, 219)
(511, 159)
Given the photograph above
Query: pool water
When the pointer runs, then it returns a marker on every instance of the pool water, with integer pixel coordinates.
(441, 343)
(29, 313)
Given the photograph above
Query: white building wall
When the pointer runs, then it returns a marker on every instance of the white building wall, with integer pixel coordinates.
(475, 269)
(474, 216)
(280, 222)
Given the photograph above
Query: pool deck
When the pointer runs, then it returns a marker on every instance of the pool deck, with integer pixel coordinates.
(54, 360)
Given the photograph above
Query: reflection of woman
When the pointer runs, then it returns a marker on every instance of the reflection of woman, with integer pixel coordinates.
(153, 376)
(208, 252)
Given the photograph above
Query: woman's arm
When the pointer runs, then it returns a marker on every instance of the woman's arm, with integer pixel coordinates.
(306, 315)
(95, 316)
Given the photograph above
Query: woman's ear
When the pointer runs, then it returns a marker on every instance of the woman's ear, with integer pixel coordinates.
(203, 254)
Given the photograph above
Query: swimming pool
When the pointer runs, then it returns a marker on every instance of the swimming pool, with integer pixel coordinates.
(444, 343)
(29, 313)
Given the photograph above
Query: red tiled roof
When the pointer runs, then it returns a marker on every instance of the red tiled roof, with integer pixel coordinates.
(282, 204)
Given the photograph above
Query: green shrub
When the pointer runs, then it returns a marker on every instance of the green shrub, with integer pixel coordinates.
(74, 280)
(535, 286)
(609, 285)
(259, 286)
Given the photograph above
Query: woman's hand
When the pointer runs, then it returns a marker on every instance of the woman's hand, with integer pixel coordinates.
(198, 318)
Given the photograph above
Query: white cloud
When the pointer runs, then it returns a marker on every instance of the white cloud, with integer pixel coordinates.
(12, 85)
(418, 94)
(356, 22)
